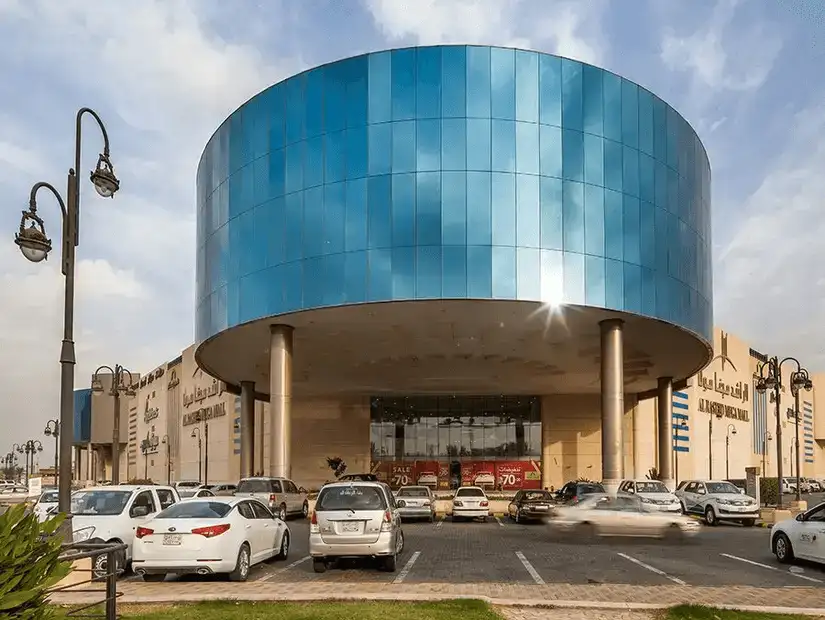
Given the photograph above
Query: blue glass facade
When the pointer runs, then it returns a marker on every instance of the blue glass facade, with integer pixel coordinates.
(453, 172)
(82, 416)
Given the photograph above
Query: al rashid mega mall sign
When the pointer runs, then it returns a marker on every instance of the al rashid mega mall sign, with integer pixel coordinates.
(717, 390)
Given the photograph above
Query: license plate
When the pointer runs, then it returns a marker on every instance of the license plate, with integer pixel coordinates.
(171, 539)
(350, 527)
(540, 507)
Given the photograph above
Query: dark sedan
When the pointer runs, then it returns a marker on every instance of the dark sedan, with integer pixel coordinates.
(530, 506)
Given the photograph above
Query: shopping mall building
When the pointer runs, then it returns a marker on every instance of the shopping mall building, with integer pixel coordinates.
(456, 264)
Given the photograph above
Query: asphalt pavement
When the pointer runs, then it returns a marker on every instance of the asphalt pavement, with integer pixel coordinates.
(500, 551)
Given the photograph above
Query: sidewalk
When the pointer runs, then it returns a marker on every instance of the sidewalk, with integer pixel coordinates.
(598, 596)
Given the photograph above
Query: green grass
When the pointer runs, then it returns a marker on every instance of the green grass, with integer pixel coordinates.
(698, 612)
(230, 610)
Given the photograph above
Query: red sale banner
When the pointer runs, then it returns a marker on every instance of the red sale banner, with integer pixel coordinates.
(514, 475)
(401, 474)
(426, 473)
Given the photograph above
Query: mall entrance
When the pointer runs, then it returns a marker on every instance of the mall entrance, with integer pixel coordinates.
(449, 441)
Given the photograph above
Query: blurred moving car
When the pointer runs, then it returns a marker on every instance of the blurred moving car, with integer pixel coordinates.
(113, 513)
(356, 519)
(814, 486)
(14, 494)
(419, 503)
(46, 501)
(470, 503)
(654, 495)
(530, 506)
(190, 493)
(216, 535)
(280, 495)
(223, 488)
(717, 500)
(358, 478)
(603, 515)
(802, 537)
(182, 485)
(575, 491)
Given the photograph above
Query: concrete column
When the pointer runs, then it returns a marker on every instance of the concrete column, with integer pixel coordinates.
(612, 405)
(664, 419)
(90, 474)
(546, 444)
(280, 400)
(247, 428)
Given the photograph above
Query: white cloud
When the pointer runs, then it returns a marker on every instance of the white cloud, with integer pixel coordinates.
(567, 28)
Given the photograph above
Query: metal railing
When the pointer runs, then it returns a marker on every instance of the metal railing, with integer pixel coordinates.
(71, 553)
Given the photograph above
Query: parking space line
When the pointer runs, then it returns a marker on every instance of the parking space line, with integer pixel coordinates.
(769, 567)
(406, 570)
(284, 569)
(440, 522)
(652, 569)
(498, 520)
(533, 572)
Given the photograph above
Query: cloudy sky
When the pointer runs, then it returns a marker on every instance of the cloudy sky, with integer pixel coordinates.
(164, 74)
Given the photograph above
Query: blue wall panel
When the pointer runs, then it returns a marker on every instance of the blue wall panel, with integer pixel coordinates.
(82, 415)
(453, 172)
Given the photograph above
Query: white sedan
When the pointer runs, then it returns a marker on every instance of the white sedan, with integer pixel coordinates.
(209, 536)
(802, 537)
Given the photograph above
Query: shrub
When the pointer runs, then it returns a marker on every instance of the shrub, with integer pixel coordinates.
(654, 474)
(769, 491)
(29, 563)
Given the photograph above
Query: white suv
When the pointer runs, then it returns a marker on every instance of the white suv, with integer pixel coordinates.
(112, 513)
(654, 495)
(717, 500)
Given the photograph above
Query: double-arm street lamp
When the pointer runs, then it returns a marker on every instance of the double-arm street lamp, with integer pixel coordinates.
(770, 379)
(120, 384)
(35, 245)
(30, 448)
(145, 449)
(9, 463)
(203, 459)
(53, 430)
(165, 442)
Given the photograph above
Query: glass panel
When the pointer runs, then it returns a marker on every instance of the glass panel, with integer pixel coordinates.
(275, 106)
(428, 208)
(573, 160)
(552, 277)
(454, 270)
(314, 168)
(357, 91)
(313, 221)
(504, 209)
(593, 160)
(647, 236)
(504, 146)
(428, 72)
(645, 121)
(612, 87)
(380, 218)
(593, 98)
(454, 81)
(630, 171)
(614, 284)
(454, 208)
(379, 275)
(403, 210)
(647, 179)
(528, 274)
(528, 218)
(335, 97)
(454, 144)
(277, 173)
(403, 273)
(314, 99)
(294, 167)
(295, 108)
(403, 84)
(479, 155)
(293, 227)
(479, 271)
(614, 224)
(428, 272)
(479, 231)
(403, 146)
(574, 290)
(380, 148)
(380, 87)
(573, 106)
(613, 167)
(356, 215)
(503, 83)
(428, 146)
(551, 151)
(550, 90)
(504, 272)
(527, 148)
(478, 82)
(632, 288)
(630, 114)
(551, 213)
(594, 281)
(573, 217)
(355, 277)
(527, 86)
(594, 217)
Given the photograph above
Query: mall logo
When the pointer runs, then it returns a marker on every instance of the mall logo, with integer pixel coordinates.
(719, 383)
(723, 355)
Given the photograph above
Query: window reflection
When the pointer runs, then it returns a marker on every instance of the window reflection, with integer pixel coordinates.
(487, 427)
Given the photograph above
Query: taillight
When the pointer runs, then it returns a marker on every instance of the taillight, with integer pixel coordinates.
(575, 499)
(211, 531)
(143, 531)
(313, 524)
(484, 504)
(314, 519)
(457, 502)
(387, 517)
(386, 523)
(272, 499)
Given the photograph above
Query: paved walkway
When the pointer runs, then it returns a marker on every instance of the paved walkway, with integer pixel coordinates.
(537, 613)
(614, 596)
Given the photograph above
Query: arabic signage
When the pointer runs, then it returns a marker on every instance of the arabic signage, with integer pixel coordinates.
(200, 394)
(717, 383)
(150, 445)
(721, 410)
(150, 414)
(204, 413)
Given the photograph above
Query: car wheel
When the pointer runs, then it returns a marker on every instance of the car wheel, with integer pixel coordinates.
(241, 572)
(432, 518)
(305, 509)
(749, 522)
(319, 566)
(100, 568)
(673, 534)
(782, 548)
(282, 512)
(586, 530)
(517, 519)
(390, 563)
(684, 510)
(710, 516)
(154, 577)
(456, 519)
(283, 552)
(399, 543)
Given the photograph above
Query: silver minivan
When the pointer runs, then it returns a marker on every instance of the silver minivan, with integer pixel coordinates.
(282, 496)
(356, 519)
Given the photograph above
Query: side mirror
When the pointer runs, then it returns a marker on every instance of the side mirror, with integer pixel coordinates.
(631, 490)
(800, 516)
(401, 503)
(742, 491)
(139, 511)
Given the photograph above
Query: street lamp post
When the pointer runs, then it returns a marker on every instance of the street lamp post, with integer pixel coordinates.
(196, 432)
(35, 246)
(770, 378)
(800, 380)
(53, 430)
(165, 441)
(731, 431)
(145, 448)
(30, 448)
(119, 385)
(765, 439)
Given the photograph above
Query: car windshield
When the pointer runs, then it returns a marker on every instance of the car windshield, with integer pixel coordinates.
(255, 485)
(721, 487)
(187, 493)
(100, 502)
(470, 493)
(413, 492)
(351, 497)
(651, 486)
(537, 496)
(48, 497)
(589, 488)
(195, 510)
(188, 484)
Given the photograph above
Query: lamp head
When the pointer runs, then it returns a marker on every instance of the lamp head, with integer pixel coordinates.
(32, 241)
(97, 385)
(103, 177)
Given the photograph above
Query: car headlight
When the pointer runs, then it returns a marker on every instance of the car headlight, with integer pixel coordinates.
(83, 534)
(646, 500)
(725, 502)
(427, 503)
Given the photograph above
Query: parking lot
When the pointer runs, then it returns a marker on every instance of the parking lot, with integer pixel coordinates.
(502, 551)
